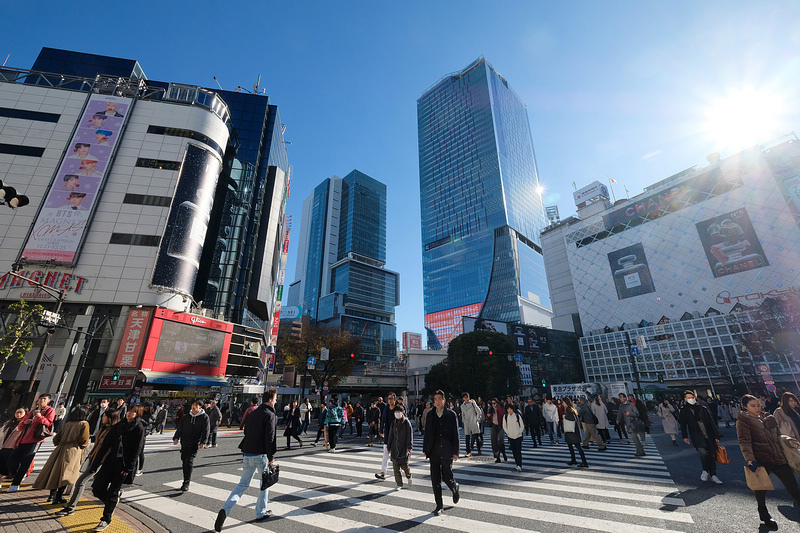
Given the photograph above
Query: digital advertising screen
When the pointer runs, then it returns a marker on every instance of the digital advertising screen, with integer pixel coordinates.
(189, 345)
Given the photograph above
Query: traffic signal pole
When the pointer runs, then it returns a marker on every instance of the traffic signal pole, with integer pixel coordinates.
(633, 361)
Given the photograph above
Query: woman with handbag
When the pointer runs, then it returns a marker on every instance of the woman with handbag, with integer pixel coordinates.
(293, 425)
(572, 433)
(788, 415)
(9, 435)
(35, 427)
(759, 440)
(63, 467)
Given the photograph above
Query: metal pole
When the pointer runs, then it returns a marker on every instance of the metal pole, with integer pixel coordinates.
(87, 346)
(713, 392)
(633, 361)
(65, 374)
(794, 376)
(45, 342)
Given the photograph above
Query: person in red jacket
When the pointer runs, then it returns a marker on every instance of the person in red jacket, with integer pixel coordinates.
(498, 439)
(21, 458)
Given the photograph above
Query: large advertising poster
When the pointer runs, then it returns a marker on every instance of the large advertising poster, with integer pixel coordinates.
(631, 272)
(178, 258)
(134, 337)
(731, 244)
(530, 339)
(481, 324)
(64, 215)
(447, 324)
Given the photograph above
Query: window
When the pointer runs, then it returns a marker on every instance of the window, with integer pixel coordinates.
(189, 134)
(13, 149)
(29, 115)
(134, 240)
(144, 199)
(158, 163)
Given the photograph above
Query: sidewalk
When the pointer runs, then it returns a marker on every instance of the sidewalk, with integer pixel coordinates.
(25, 511)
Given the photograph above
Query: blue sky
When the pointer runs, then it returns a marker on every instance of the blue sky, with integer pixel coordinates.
(635, 91)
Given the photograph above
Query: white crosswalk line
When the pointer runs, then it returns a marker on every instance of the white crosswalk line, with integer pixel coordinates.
(188, 513)
(312, 519)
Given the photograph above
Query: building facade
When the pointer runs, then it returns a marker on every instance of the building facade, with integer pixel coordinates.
(481, 205)
(552, 214)
(130, 180)
(702, 266)
(340, 274)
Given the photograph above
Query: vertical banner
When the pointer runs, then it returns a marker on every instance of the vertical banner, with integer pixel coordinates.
(65, 213)
(178, 258)
(134, 338)
(731, 244)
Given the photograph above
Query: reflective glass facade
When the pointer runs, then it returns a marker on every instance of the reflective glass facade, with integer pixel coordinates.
(363, 216)
(480, 201)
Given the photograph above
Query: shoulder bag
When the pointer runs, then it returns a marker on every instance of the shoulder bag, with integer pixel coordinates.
(42, 432)
(569, 425)
(792, 454)
(722, 455)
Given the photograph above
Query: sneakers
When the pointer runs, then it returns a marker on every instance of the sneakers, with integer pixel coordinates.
(468, 455)
(13, 488)
(704, 476)
(185, 486)
(519, 469)
(399, 487)
(572, 463)
(380, 475)
(437, 511)
(221, 516)
(101, 526)
(314, 444)
(583, 465)
(139, 472)
(716, 480)
(65, 512)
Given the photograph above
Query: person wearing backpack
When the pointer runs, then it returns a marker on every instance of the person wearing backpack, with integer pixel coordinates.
(471, 415)
(334, 418)
(572, 433)
(589, 425)
(514, 428)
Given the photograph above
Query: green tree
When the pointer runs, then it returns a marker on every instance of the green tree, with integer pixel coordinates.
(480, 374)
(16, 341)
(340, 344)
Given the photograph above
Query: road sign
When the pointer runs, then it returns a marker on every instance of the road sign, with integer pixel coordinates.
(771, 387)
(767, 377)
(640, 342)
(324, 354)
(311, 363)
(518, 357)
(764, 369)
(635, 351)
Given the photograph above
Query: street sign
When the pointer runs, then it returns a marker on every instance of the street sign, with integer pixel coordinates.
(311, 363)
(50, 318)
(635, 351)
(764, 369)
(771, 387)
(640, 342)
(483, 348)
(324, 354)
(518, 357)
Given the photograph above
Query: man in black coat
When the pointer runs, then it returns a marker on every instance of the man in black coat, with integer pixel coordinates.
(258, 446)
(696, 421)
(192, 433)
(534, 420)
(440, 447)
(214, 418)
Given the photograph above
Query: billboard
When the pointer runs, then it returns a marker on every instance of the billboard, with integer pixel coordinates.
(481, 324)
(631, 272)
(134, 337)
(530, 339)
(731, 244)
(590, 192)
(590, 391)
(181, 246)
(447, 324)
(412, 341)
(60, 225)
(182, 343)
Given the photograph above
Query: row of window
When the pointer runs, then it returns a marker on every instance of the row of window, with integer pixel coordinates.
(29, 115)
(146, 199)
(14, 149)
(160, 164)
(133, 239)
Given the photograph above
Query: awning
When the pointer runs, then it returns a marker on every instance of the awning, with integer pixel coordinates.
(166, 378)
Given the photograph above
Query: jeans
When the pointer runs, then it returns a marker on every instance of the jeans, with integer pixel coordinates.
(250, 465)
(188, 453)
(708, 457)
(80, 486)
(498, 442)
(785, 474)
(475, 440)
(304, 426)
(212, 436)
(516, 450)
(441, 470)
(551, 429)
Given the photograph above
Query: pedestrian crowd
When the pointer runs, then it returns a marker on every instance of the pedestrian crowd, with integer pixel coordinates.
(103, 447)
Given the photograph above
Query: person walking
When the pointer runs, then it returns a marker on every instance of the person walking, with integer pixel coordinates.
(148, 419)
(58, 421)
(373, 421)
(334, 418)
(589, 422)
(117, 459)
(550, 413)
(161, 419)
(440, 446)
(788, 415)
(514, 427)
(192, 434)
(293, 425)
(724, 413)
(471, 416)
(63, 467)
(31, 427)
(386, 419)
(760, 443)
(628, 416)
(600, 411)
(110, 418)
(358, 415)
(258, 446)
(400, 442)
(214, 420)
(10, 433)
(572, 433)
(428, 409)
(669, 419)
(122, 407)
(252, 407)
(696, 421)
(305, 416)
(323, 412)
(94, 418)
(350, 412)
(534, 420)
(497, 438)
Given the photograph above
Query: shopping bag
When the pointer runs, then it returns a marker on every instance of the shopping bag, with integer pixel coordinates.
(758, 480)
(722, 456)
(792, 454)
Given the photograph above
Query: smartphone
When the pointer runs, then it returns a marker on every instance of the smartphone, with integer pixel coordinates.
(754, 466)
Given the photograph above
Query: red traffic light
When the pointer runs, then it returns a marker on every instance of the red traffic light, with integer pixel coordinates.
(490, 352)
(352, 355)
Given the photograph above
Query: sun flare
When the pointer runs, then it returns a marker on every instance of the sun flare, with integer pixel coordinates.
(742, 118)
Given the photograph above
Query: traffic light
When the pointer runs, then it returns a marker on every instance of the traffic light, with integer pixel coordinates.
(544, 384)
(352, 355)
(660, 378)
(491, 352)
(9, 196)
(115, 376)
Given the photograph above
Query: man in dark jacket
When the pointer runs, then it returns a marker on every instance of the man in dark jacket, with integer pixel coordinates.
(440, 447)
(532, 416)
(258, 446)
(400, 444)
(373, 421)
(387, 416)
(696, 421)
(192, 433)
(214, 418)
(358, 414)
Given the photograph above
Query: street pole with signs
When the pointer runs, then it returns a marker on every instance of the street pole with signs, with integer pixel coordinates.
(633, 353)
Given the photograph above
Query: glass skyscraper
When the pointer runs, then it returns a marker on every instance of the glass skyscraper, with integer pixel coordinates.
(340, 274)
(481, 204)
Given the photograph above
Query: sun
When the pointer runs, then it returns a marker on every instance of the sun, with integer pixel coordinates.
(742, 118)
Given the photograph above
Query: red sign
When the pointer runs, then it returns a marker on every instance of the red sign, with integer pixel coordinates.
(447, 324)
(124, 382)
(412, 341)
(133, 338)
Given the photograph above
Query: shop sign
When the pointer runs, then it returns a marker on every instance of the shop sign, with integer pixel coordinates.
(133, 338)
(124, 382)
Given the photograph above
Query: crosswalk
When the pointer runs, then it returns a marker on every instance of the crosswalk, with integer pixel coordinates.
(338, 492)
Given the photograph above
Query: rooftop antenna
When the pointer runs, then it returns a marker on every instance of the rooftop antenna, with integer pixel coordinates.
(256, 84)
(218, 85)
(4, 62)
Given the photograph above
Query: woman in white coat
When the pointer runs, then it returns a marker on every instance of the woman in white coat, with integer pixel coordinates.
(601, 412)
(669, 419)
(514, 428)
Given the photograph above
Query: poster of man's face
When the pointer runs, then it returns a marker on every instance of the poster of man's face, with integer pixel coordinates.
(631, 272)
(731, 244)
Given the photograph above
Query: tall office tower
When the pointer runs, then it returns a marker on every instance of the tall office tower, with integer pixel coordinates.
(552, 214)
(340, 274)
(481, 205)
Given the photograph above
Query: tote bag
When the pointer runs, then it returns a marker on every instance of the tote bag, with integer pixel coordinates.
(758, 480)
(569, 426)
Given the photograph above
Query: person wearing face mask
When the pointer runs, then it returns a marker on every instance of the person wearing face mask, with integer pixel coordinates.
(400, 443)
(96, 417)
(192, 434)
(696, 421)
(628, 415)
